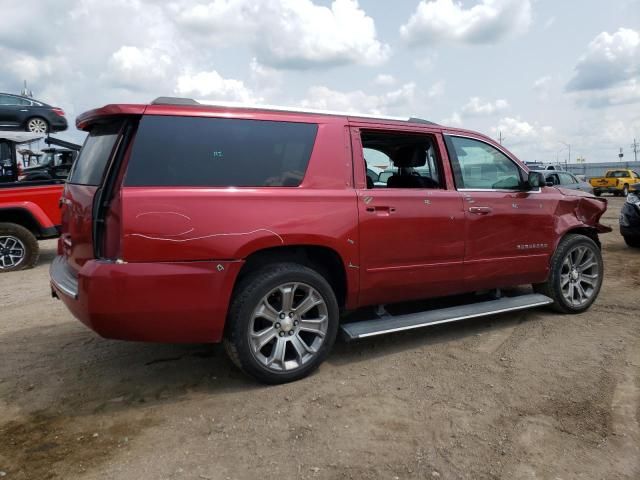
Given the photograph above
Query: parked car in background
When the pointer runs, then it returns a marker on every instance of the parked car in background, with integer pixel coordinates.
(556, 178)
(615, 181)
(24, 113)
(187, 222)
(630, 217)
(29, 209)
(55, 164)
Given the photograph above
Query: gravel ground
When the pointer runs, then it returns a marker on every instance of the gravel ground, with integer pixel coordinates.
(526, 395)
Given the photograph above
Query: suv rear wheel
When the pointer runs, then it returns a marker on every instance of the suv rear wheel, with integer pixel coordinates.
(576, 275)
(18, 248)
(282, 323)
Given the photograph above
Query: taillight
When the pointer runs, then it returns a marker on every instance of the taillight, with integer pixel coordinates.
(58, 111)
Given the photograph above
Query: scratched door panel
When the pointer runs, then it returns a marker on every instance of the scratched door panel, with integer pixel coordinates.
(411, 244)
(510, 243)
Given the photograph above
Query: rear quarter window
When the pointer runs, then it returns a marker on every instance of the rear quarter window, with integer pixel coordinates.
(96, 151)
(219, 152)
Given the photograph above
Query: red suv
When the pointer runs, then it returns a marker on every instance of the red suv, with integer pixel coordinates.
(263, 228)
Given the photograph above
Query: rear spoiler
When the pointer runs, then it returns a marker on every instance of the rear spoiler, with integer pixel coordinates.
(84, 120)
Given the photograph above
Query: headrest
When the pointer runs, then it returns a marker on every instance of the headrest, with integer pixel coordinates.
(410, 156)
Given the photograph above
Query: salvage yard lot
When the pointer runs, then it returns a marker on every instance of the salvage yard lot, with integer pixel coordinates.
(525, 395)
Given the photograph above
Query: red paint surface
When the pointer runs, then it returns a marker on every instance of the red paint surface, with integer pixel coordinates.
(183, 247)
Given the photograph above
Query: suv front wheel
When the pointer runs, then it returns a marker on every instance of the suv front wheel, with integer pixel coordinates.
(282, 323)
(575, 276)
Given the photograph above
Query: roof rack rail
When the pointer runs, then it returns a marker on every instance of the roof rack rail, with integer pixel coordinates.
(192, 102)
(174, 101)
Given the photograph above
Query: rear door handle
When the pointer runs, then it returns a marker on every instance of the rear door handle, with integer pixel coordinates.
(480, 210)
(381, 210)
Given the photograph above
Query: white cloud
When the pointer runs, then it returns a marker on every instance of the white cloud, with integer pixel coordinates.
(609, 61)
(436, 90)
(542, 86)
(518, 132)
(399, 101)
(384, 79)
(608, 74)
(212, 86)
(455, 120)
(542, 83)
(549, 23)
(290, 34)
(476, 107)
(138, 68)
(442, 21)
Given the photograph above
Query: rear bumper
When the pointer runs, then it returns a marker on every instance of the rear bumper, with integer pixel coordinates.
(152, 302)
(58, 123)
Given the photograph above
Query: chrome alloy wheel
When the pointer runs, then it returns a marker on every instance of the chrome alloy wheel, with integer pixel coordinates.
(288, 326)
(579, 276)
(37, 125)
(12, 252)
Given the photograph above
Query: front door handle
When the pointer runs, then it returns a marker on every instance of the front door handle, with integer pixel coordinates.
(480, 210)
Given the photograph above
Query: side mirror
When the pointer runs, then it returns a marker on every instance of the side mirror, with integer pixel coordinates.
(536, 180)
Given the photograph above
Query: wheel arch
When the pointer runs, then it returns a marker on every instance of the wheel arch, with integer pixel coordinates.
(24, 217)
(590, 232)
(325, 260)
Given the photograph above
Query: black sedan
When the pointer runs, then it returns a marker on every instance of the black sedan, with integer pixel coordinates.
(24, 113)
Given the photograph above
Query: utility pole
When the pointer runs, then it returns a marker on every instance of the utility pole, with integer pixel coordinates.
(568, 145)
(635, 147)
(500, 138)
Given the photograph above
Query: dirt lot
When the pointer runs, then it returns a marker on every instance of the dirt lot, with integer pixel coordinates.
(527, 395)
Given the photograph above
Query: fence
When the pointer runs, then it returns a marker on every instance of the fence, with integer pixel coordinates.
(597, 169)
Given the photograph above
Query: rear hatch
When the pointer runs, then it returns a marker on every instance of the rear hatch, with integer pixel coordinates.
(86, 186)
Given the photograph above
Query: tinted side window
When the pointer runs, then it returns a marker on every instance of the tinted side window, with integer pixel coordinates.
(566, 179)
(96, 151)
(7, 100)
(219, 152)
(478, 165)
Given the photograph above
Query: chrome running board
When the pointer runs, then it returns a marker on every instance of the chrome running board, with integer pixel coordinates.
(398, 323)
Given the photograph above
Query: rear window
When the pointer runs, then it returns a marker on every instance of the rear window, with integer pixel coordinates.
(89, 167)
(219, 152)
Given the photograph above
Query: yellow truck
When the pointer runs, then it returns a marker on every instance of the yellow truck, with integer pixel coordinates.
(616, 181)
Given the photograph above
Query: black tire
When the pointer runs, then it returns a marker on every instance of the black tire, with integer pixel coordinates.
(29, 244)
(597, 193)
(249, 294)
(625, 190)
(633, 242)
(552, 287)
(37, 125)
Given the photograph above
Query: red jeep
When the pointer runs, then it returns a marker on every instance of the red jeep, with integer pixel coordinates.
(29, 205)
(184, 222)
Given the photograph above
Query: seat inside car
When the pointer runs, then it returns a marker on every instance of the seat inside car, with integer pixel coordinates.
(406, 159)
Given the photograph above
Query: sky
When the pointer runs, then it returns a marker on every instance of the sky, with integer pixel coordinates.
(542, 74)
